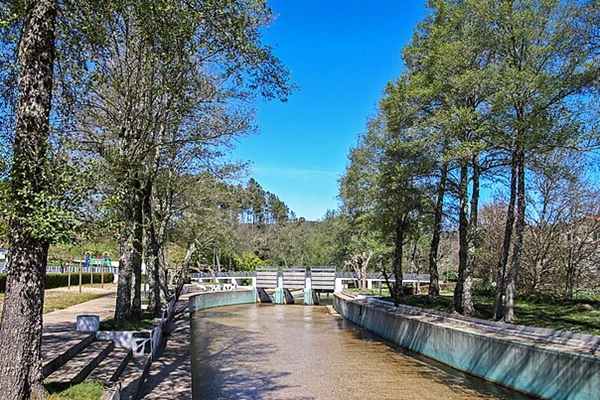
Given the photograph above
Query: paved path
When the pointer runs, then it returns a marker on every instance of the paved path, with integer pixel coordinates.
(60, 326)
(66, 319)
(170, 375)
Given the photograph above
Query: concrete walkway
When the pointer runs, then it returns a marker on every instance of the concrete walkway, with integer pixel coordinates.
(66, 319)
(170, 375)
(60, 326)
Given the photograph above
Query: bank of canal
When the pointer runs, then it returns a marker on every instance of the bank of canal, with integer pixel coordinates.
(259, 351)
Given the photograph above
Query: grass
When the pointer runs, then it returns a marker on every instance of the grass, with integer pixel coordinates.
(582, 316)
(88, 390)
(146, 322)
(58, 300)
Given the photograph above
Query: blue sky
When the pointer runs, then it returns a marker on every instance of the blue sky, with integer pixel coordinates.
(341, 54)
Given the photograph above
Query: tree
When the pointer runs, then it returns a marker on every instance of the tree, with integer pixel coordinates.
(561, 246)
(327, 244)
(358, 188)
(168, 78)
(404, 200)
(451, 72)
(385, 185)
(29, 236)
(546, 63)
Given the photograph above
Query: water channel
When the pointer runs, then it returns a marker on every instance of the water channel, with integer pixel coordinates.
(262, 351)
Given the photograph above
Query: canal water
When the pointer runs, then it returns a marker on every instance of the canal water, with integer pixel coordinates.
(261, 351)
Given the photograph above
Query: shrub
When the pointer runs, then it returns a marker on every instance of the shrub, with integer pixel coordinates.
(486, 290)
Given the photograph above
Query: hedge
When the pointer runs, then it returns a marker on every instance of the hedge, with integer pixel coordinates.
(62, 280)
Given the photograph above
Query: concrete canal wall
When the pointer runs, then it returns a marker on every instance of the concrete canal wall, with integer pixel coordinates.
(225, 298)
(537, 366)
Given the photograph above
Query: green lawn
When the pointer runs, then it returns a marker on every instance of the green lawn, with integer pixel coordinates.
(58, 300)
(581, 316)
(88, 390)
(146, 322)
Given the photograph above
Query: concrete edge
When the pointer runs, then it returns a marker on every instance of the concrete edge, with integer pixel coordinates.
(530, 367)
(61, 359)
(202, 301)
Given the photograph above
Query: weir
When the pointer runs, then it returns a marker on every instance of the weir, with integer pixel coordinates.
(274, 284)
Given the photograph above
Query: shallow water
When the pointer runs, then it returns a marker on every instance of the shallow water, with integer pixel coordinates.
(298, 352)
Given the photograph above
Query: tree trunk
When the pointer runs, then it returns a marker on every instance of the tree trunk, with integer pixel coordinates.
(434, 286)
(129, 304)
(21, 327)
(570, 278)
(519, 237)
(138, 232)
(363, 270)
(152, 254)
(508, 229)
(398, 292)
(462, 297)
(469, 310)
(185, 267)
(163, 272)
(359, 263)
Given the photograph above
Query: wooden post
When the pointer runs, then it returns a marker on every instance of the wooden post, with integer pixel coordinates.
(80, 274)
(91, 271)
(102, 273)
(69, 274)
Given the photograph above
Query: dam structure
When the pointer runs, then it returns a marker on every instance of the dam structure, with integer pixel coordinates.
(249, 350)
(536, 362)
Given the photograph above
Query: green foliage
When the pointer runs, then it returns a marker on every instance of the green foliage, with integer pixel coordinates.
(484, 290)
(248, 262)
(329, 244)
(487, 85)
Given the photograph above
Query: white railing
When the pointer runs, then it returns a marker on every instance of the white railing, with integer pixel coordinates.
(116, 392)
(156, 337)
(151, 343)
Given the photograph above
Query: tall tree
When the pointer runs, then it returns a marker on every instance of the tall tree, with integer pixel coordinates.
(546, 62)
(169, 77)
(21, 326)
(451, 70)
(385, 184)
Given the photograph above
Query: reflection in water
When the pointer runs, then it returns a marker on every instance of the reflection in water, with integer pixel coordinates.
(297, 352)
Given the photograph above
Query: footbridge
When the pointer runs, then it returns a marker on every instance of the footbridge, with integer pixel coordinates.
(289, 284)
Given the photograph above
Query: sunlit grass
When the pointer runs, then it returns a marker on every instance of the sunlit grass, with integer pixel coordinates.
(88, 390)
(582, 316)
(58, 300)
(371, 292)
(54, 300)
